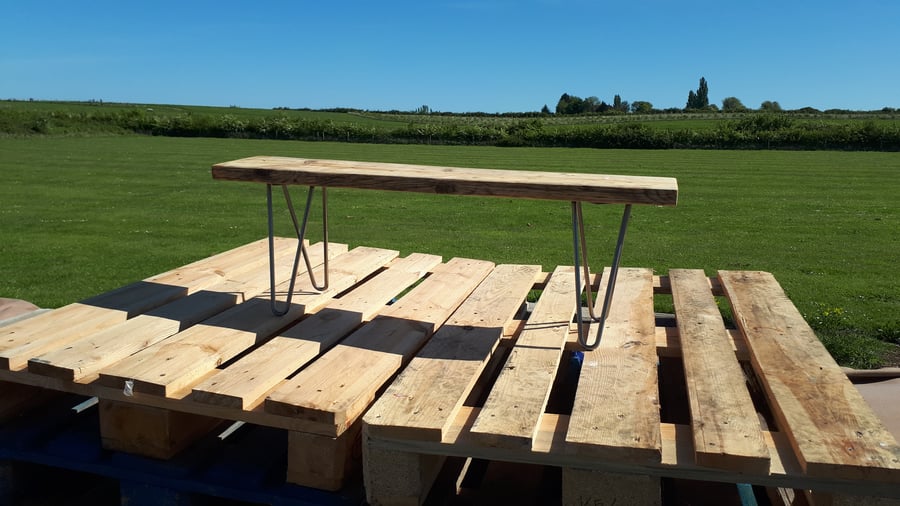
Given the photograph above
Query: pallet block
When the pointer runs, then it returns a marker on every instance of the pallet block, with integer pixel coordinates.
(595, 488)
(323, 462)
(149, 431)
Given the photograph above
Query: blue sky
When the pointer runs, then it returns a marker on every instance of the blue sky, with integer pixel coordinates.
(466, 55)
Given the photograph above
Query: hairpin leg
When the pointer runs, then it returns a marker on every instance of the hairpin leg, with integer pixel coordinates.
(579, 243)
(300, 230)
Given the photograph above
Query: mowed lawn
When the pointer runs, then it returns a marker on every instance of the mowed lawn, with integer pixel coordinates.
(82, 215)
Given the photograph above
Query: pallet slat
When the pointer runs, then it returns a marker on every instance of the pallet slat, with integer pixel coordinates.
(517, 400)
(725, 425)
(245, 383)
(616, 411)
(336, 389)
(178, 362)
(82, 359)
(832, 430)
(427, 395)
(35, 336)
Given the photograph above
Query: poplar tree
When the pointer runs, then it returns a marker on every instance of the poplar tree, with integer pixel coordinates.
(700, 98)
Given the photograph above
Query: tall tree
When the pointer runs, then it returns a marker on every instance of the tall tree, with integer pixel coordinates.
(703, 94)
(700, 98)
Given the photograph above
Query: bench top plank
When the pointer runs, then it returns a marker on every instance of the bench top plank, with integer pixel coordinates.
(583, 187)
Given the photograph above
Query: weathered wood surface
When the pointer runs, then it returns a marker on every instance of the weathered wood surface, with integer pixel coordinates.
(584, 187)
(724, 421)
(833, 431)
(517, 400)
(183, 359)
(828, 439)
(615, 424)
(82, 359)
(247, 381)
(432, 388)
(54, 329)
(337, 389)
(616, 411)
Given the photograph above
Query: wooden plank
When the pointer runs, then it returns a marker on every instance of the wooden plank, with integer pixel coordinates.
(82, 359)
(336, 389)
(514, 407)
(585, 187)
(24, 340)
(182, 360)
(725, 424)
(832, 430)
(428, 393)
(668, 343)
(616, 411)
(246, 382)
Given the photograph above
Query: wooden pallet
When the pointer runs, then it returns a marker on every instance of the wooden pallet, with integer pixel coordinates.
(651, 402)
(174, 355)
(171, 357)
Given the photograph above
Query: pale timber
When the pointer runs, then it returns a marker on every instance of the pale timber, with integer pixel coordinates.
(336, 389)
(245, 383)
(83, 359)
(725, 424)
(34, 336)
(676, 456)
(517, 400)
(616, 410)
(832, 429)
(583, 187)
(426, 396)
(185, 358)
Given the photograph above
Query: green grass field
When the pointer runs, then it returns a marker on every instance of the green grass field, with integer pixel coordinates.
(82, 215)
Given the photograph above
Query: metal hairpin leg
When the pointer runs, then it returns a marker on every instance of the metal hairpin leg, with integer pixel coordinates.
(579, 243)
(300, 229)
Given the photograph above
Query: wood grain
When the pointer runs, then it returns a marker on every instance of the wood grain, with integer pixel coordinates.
(336, 389)
(616, 411)
(518, 397)
(246, 382)
(424, 399)
(584, 187)
(832, 430)
(725, 425)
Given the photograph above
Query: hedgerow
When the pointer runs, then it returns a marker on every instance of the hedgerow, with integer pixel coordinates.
(750, 131)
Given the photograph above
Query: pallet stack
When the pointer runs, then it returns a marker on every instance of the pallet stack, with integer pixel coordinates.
(172, 358)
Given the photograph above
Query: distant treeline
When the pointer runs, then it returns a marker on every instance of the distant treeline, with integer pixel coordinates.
(747, 131)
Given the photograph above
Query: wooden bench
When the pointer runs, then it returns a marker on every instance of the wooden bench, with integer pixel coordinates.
(571, 187)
